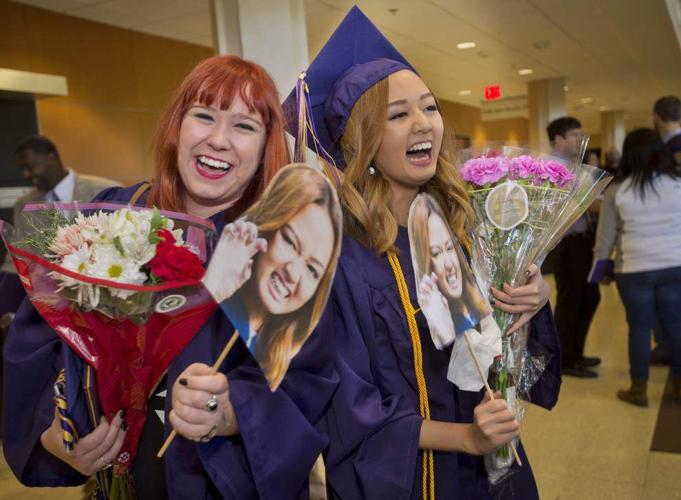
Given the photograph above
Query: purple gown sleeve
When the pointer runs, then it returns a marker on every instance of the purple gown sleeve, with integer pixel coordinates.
(373, 437)
(32, 356)
(281, 433)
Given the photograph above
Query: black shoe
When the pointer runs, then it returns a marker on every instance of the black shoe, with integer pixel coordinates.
(659, 357)
(579, 372)
(589, 361)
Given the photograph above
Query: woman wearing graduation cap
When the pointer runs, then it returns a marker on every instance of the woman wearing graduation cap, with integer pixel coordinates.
(220, 141)
(397, 427)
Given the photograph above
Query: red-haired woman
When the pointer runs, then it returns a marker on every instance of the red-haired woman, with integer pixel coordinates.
(220, 141)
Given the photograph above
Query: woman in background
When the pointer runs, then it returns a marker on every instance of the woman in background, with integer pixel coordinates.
(640, 222)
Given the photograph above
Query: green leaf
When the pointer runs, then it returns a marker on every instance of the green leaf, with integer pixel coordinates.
(156, 225)
(119, 245)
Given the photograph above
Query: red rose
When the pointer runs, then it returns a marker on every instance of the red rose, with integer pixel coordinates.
(175, 263)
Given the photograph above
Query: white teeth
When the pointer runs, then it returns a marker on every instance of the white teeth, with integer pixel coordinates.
(420, 147)
(279, 286)
(214, 163)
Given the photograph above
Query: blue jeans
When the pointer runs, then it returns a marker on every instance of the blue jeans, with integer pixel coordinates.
(648, 297)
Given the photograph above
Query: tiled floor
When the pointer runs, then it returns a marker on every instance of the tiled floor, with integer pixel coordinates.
(591, 446)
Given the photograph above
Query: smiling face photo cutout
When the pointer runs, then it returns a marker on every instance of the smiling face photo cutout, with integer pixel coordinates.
(446, 287)
(272, 269)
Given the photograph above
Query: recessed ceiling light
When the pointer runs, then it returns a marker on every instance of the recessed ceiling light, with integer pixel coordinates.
(464, 92)
(525, 71)
(587, 100)
(465, 45)
(565, 88)
(603, 108)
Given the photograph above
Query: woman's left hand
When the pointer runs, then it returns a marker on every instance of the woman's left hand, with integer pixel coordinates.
(201, 405)
(525, 300)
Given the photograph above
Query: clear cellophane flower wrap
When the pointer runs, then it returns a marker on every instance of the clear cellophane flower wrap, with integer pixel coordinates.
(121, 286)
(524, 203)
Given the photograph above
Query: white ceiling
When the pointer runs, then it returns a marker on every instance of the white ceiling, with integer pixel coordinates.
(622, 54)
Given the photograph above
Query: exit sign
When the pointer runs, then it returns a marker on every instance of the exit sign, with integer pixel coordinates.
(492, 92)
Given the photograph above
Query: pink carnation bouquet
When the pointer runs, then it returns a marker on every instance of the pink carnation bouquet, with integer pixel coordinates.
(524, 203)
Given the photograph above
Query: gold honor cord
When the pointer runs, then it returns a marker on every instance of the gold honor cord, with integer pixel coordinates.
(69, 431)
(410, 313)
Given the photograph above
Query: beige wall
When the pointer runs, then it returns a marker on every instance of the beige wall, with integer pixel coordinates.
(466, 120)
(118, 80)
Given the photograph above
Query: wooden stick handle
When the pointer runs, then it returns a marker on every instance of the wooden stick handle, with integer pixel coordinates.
(213, 371)
(489, 390)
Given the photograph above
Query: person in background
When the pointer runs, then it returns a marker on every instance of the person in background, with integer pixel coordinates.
(41, 164)
(577, 299)
(641, 223)
(612, 160)
(667, 121)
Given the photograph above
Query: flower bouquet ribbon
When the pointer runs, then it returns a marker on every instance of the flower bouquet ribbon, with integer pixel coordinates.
(524, 202)
(121, 286)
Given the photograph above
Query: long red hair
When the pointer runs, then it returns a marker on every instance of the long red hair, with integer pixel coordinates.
(216, 81)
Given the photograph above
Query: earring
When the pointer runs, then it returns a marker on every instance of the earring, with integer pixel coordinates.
(372, 168)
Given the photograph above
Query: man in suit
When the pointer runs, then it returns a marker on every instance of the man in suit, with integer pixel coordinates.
(40, 163)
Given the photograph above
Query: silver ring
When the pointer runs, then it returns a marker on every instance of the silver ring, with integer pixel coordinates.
(105, 464)
(211, 433)
(212, 403)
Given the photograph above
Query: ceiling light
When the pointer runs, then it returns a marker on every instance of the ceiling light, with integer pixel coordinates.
(465, 45)
(587, 100)
(464, 92)
(603, 108)
(525, 71)
(565, 88)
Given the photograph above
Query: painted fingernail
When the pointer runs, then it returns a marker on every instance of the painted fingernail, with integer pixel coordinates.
(183, 381)
(124, 426)
(121, 412)
(492, 301)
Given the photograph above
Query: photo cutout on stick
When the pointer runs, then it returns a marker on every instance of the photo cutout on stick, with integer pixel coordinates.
(449, 296)
(447, 291)
(272, 269)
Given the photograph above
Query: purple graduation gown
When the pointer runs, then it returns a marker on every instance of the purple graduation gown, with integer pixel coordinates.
(270, 458)
(374, 421)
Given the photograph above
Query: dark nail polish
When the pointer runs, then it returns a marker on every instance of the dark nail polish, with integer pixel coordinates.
(492, 301)
(121, 412)
(124, 426)
(183, 381)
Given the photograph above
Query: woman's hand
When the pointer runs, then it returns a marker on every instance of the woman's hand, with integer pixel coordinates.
(525, 300)
(201, 406)
(436, 310)
(493, 425)
(231, 264)
(91, 453)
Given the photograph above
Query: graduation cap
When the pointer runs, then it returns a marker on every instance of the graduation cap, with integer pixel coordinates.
(356, 57)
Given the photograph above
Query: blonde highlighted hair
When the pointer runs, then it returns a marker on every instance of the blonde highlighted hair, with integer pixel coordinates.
(295, 187)
(366, 198)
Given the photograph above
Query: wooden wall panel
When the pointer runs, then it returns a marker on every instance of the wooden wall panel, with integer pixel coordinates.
(14, 46)
(119, 81)
(466, 120)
